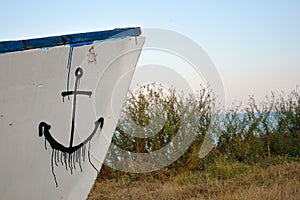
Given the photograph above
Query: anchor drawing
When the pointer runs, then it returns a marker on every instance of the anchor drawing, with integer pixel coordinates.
(72, 154)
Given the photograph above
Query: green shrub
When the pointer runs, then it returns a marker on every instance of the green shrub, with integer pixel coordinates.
(257, 133)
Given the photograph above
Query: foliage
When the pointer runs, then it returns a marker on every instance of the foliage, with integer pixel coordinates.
(256, 133)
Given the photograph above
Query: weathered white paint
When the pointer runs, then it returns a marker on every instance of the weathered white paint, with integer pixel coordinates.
(31, 83)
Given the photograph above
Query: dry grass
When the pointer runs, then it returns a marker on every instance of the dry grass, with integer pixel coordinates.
(281, 181)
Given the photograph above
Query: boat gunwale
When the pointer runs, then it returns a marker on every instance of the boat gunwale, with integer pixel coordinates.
(77, 39)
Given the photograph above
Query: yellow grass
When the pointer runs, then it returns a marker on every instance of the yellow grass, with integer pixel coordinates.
(281, 181)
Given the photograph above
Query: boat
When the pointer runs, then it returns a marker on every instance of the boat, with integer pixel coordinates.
(60, 100)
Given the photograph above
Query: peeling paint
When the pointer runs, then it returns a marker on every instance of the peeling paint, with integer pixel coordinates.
(92, 55)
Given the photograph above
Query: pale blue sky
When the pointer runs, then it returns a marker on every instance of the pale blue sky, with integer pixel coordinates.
(255, 45)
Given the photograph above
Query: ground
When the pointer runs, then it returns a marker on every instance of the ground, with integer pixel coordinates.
(228, 182)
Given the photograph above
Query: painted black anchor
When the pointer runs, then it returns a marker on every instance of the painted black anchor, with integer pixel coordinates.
(71, 154)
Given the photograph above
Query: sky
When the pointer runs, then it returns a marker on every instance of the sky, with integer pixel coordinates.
(255, 45)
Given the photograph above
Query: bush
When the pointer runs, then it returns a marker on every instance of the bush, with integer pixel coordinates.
(249, 135)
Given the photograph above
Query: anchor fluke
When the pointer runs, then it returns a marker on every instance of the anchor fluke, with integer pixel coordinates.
(43, 126)
(100, 122)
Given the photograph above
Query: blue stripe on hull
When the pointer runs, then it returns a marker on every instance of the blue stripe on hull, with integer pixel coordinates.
(72, 39)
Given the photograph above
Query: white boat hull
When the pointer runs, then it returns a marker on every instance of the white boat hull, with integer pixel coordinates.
(31, 86)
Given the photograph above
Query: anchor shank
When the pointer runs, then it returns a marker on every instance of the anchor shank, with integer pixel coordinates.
(78, 74)
(73, 113)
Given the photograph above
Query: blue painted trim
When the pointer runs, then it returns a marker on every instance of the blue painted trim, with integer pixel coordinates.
(69, 68)
(78, 39)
